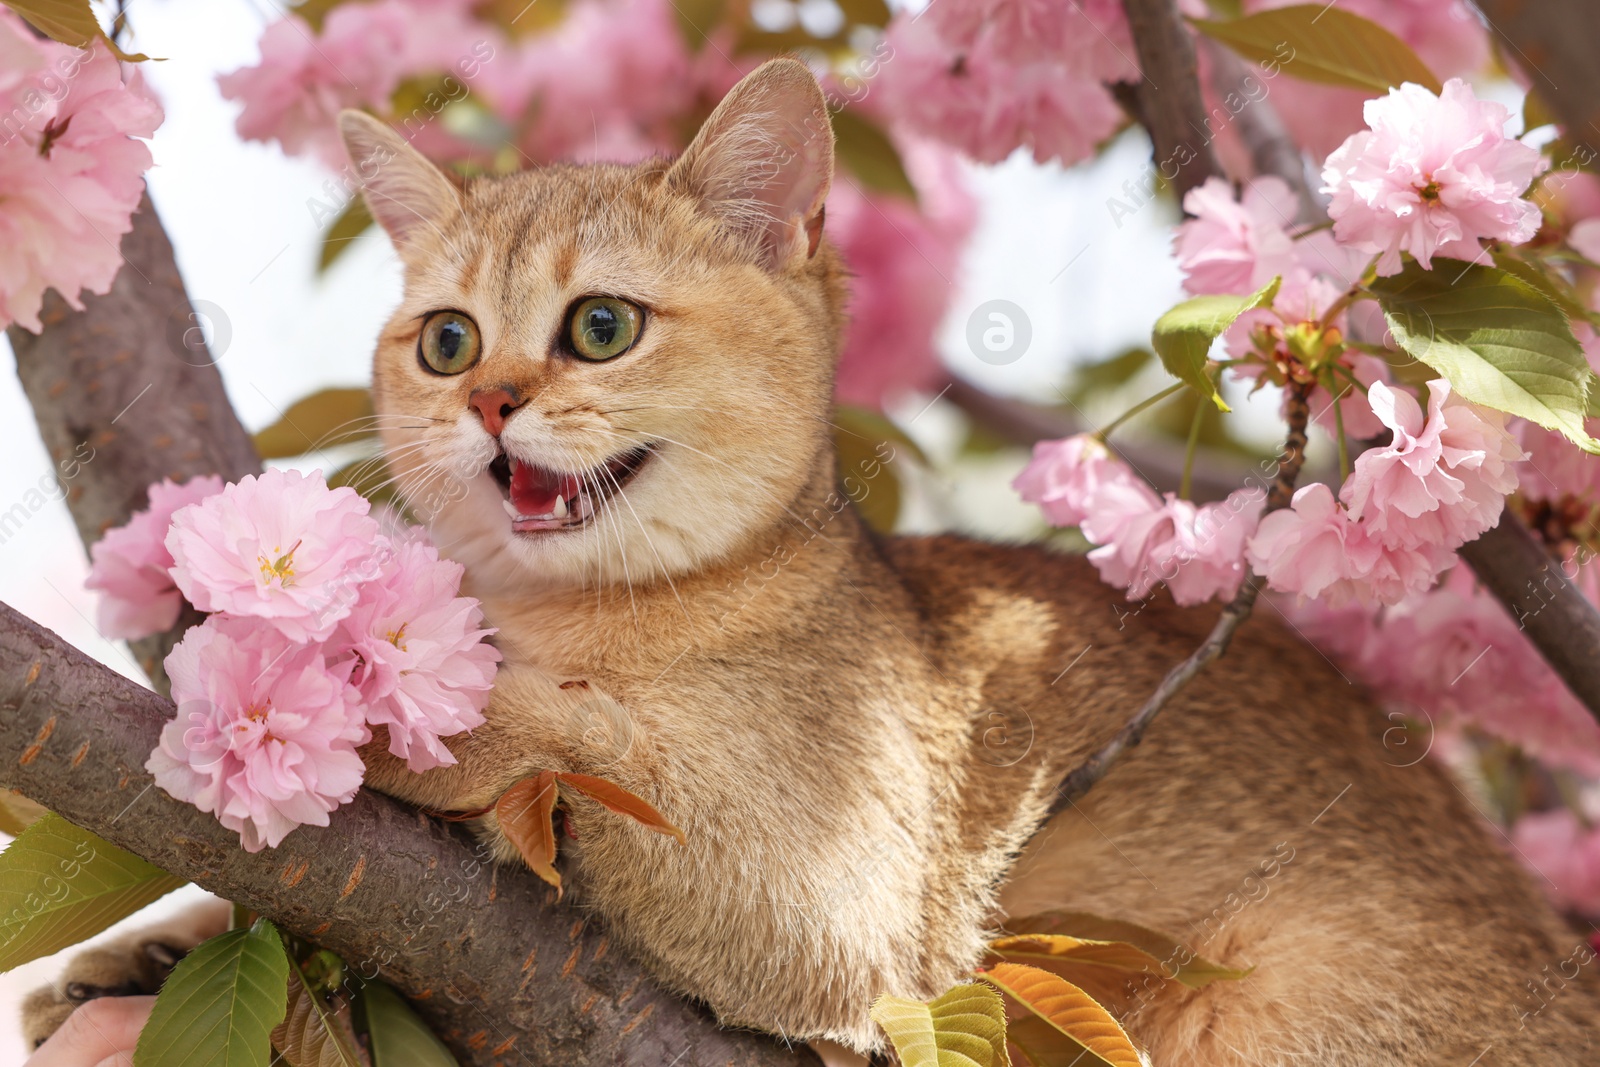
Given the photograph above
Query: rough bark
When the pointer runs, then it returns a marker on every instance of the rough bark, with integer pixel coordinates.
(1554, 42)
(503, 973)
(130, 378)
(1167, 100)
(1561, 622)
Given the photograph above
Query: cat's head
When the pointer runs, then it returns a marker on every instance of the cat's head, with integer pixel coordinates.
(608, 373)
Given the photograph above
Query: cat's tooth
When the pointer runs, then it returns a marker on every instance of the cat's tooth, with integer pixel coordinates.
(511, 509)
(560, 510)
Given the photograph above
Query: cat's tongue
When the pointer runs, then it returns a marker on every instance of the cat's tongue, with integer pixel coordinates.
(536, 491)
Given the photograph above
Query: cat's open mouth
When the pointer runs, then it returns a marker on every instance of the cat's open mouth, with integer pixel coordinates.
(538, 498)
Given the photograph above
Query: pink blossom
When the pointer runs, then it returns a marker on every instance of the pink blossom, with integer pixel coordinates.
(611, 82)
(990, 76)
(1432, 175)
(1458, 655)
(1312, 547)
(1064, 475)
(1442, 481)
(70, 168)
(421, 665)
(1584, 239)
(280, 546)
(1196, 551)
(131, 567)
(1355, 412)
(265, 735)
(358, 59)
(1236, 246)
(1315, 548)
(1565, 854)
(903, 257)
(1555, 467)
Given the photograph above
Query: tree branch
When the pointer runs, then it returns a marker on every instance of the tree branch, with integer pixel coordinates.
(1562, 623)
(119, 380)
(1168, 99)
(1084, 777)
(501, 972)
(1554, 42)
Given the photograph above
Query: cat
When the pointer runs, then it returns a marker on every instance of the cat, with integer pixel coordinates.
(608, 390)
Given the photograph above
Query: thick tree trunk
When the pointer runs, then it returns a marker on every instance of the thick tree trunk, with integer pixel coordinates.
(502, 972)
(130, 382)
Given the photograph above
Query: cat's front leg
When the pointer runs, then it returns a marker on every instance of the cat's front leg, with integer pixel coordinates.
(536, 721)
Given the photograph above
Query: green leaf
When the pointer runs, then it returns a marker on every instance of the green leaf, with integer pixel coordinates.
(1141, 949)
(315, 12)
(1536, 112)
(866, 477)
(1495, 338)
(311, 1033)
(867, 152)
(352, 222)
(326, 418)
(875, 428)
(697, 18)
(1551, 285)
(1323, 43)
(368, 476)
(221, 1003)
(398, 1038)
(1182, 337)
(964, 1027)
(70, 22)
(1072, 1013)
(60, 885)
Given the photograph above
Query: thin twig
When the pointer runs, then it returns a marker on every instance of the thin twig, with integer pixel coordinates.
(1082, 778)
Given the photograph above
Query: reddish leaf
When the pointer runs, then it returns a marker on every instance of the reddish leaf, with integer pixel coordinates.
(619, 800)
(525, 812)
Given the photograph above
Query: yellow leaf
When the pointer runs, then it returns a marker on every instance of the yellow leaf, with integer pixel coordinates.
(964, 1027)
(324, 419)
(70, 22)
(1168, 956)
(1069, 1010)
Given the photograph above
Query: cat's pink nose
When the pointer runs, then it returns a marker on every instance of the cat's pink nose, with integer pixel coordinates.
(494, 407)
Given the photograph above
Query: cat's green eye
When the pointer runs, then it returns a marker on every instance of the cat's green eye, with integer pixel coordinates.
(449, 342)
(603, 327)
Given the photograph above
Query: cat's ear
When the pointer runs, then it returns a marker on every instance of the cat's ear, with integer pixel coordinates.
(763, 161)
(406, 193)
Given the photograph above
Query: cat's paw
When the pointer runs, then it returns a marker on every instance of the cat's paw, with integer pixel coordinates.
(127, 967)
(133, 964)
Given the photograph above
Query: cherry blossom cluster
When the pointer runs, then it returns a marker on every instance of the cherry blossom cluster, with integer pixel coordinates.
(1143, 540)
(320, 627)
(71, 167)
(1369, 562)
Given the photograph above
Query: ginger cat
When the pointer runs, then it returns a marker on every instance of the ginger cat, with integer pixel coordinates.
(608, 388)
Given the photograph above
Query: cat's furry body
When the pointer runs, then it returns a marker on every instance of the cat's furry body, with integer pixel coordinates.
(818, 708)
